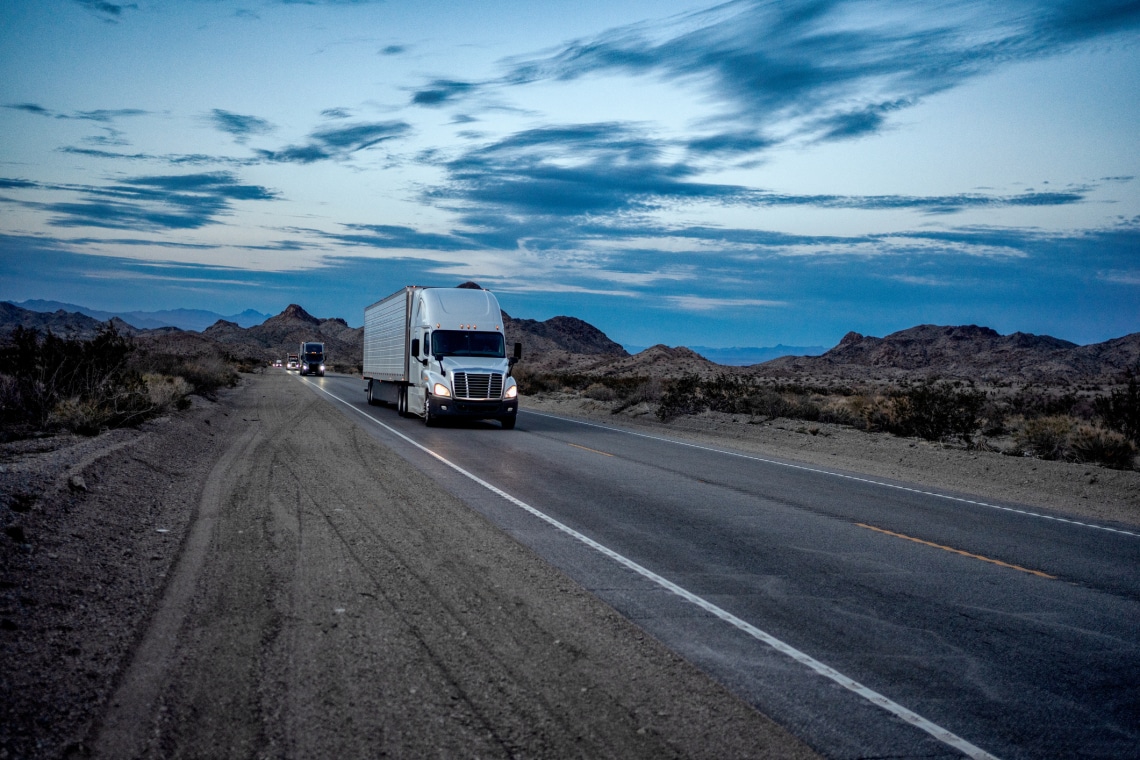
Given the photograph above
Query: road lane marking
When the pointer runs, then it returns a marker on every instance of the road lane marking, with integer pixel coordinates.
(957, 551)
(820, 471)
(872, 696)
(587, 448)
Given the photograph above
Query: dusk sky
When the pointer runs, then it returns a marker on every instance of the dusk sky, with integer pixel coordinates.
(733, 174)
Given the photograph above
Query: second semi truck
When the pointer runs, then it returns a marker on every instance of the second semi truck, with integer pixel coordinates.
(312, 359)
(440, 352)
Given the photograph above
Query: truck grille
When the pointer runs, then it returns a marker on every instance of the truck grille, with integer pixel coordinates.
(472, 385)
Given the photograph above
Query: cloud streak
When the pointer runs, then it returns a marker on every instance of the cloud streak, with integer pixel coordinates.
(242, 127)
(151, 203)
(338, 143)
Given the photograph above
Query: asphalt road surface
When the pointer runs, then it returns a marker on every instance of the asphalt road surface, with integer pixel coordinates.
(871, 619)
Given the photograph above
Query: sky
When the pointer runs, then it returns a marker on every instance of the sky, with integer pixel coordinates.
(742, 173)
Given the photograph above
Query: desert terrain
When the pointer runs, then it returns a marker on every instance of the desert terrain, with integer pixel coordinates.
(191, 549)
(109, 537)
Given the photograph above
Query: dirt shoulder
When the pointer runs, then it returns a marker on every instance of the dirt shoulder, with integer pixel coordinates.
(1078, 491)
(257, 576)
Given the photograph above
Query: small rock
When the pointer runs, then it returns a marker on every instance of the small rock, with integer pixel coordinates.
(77, 483)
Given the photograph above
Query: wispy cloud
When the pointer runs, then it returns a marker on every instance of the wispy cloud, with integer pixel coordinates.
(441, 91)
(185, 201)
(241, 126)
(110, 12)
(707, 303)
(102, 115)
(610, 171)
(338, 142)
(173, 159)
(1121, 277)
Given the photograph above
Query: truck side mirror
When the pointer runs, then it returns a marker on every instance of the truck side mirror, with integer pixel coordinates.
(518, 351)
(415, 347)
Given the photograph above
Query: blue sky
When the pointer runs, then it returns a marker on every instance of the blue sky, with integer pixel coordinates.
(742, 173)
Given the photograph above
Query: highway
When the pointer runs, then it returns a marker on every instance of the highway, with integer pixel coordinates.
(870, 618)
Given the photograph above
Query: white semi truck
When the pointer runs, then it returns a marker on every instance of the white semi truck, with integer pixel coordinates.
(440, 352)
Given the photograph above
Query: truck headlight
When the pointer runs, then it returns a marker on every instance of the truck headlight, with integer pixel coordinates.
(439, 389)
(513, 391)
(322, 368)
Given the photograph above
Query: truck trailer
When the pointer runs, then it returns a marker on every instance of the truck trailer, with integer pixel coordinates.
(312, 358)
(440, 353)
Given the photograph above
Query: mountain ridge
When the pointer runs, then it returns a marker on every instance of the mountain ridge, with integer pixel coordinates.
(185, 319)
(568, 344)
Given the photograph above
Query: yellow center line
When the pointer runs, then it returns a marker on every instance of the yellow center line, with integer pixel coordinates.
(957, 551)
(586, 448)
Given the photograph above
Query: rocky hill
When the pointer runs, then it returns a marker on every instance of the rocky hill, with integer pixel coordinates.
(566, 334)
(282, 334)
(62, 323)
(967, 352)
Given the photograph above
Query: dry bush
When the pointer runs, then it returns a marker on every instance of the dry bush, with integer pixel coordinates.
(78, 415)
(1045, 437)
(600, 392)
(1091, 443)
(167, 392)
(646, 391)
(937, 411)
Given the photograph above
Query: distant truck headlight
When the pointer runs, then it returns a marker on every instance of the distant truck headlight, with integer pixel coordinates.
(322, 368)
(513, 391)
(439, 389)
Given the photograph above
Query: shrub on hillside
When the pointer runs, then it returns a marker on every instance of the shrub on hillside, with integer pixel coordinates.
(206, 375)
(77, 385)
(52, 383)
(1090, 443)
(938, 411)
(1045, 437)
(1120, 410)
(680, 397)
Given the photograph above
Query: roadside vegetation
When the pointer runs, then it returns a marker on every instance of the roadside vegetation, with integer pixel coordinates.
(1077, 425)
(50, 384)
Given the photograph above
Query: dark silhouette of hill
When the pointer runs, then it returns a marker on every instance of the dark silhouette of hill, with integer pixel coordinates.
(967, 352)
(62, 323)
(568, 344)
(186, 319)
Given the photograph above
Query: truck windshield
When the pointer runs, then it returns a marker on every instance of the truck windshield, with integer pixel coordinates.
(460, 343)
(314, 351)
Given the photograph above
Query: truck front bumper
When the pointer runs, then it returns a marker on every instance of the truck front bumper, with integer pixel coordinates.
(475, 410)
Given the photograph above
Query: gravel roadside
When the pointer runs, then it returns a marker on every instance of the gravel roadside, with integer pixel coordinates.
(258, 577)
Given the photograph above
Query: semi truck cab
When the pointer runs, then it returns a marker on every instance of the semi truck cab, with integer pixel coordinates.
(312, 359)
(443, 353)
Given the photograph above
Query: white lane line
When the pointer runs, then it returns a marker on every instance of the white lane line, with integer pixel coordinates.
(805, 468)
(872, 696)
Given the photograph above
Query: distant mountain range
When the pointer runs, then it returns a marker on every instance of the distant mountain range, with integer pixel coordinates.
(184, 319)
(568, 345)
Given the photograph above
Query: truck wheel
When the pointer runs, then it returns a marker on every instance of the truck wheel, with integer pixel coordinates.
(402, 401)
(508, 422)
(429, 420)
(371, 398)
